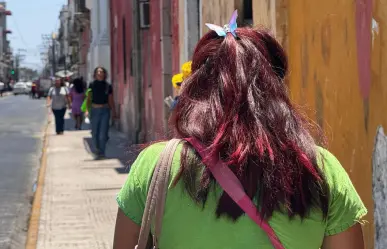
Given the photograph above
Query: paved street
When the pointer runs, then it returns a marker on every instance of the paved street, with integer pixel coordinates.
(78, 206)
(22, 121)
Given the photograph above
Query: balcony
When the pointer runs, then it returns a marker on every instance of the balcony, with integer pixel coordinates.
(3, 10)
(81, 20)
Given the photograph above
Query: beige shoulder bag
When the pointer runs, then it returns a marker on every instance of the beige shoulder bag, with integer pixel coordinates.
(154, 207)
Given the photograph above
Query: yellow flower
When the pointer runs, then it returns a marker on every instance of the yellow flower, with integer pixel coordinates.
(177, 79)
(186, 69)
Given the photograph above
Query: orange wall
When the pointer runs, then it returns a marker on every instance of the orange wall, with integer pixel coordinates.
(324, 78)
(321, 41)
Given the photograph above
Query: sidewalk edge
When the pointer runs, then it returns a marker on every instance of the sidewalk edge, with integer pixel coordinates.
(33, 226)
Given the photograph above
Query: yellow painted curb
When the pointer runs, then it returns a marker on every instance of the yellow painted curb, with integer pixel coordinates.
(33, 228)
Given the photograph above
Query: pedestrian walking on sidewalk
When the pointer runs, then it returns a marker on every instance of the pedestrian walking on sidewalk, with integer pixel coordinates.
(247, 172)
(102, 108)
(77, 94)
(58, 99)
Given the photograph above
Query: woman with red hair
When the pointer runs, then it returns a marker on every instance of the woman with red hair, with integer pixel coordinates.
(235, 103)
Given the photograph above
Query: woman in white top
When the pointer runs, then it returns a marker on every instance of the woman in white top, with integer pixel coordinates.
(58, 98)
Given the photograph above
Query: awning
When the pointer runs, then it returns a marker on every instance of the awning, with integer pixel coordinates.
(62, 74)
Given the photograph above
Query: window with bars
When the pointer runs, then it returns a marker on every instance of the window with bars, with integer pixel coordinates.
(144, 14)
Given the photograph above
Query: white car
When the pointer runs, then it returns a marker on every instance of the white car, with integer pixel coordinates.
(29, 86)
(20, 88)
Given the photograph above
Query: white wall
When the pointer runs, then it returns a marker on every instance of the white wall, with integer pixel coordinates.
(100, 28)
(89, 69)
(64, 18)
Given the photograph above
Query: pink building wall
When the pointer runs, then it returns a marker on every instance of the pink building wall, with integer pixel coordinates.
(152, 99)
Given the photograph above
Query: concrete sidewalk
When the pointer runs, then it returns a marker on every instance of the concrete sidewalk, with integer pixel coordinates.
(78, 206)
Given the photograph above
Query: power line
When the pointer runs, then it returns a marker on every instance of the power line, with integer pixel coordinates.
(18, 31)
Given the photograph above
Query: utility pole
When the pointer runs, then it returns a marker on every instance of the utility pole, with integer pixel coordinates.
(53, 53)
(45, 54)
(17, 65)
(18, 58)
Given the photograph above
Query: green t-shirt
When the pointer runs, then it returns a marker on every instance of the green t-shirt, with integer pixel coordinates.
(189, 226)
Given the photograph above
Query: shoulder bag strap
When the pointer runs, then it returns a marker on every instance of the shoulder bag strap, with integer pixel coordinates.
(154, 207)
(232, 186)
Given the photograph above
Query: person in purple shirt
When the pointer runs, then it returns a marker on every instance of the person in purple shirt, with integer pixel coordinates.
(77, 94)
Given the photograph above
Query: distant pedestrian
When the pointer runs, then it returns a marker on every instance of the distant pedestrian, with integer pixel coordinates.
(33, 90)
(102, 106)
(77, 95)
(58, 99)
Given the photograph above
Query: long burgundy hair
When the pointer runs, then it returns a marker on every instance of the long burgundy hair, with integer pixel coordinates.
(236, 103)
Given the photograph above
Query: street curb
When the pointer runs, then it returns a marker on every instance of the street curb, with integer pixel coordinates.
(33, 227)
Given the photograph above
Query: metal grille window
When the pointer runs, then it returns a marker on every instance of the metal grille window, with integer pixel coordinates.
(144, 14)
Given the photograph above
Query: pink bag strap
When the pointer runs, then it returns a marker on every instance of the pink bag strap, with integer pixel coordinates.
(232, 186)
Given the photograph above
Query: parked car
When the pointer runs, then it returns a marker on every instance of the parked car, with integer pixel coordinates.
(20, 88)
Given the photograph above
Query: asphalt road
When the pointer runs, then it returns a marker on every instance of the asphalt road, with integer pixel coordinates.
(22, 121)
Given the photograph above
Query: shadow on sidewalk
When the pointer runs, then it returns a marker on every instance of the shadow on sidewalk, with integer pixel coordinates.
(70, 125)
(116, 148)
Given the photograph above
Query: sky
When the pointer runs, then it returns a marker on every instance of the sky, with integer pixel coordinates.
(30, 20)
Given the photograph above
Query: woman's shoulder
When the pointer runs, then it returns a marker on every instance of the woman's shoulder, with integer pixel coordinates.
(335, 174)
(346, 207)
(330, 165)
(50, 91)
(145, 163)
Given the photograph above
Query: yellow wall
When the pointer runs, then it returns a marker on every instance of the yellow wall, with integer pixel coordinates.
(272, 14)
(320, 38)
(324, 79)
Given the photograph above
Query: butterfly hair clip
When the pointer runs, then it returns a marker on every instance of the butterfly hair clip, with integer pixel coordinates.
(228, 28)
